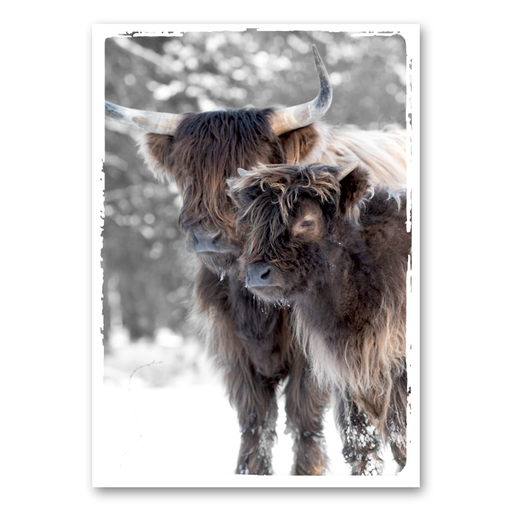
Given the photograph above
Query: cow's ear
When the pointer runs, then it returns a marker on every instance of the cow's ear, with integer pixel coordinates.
(298, 144)
(155, 150)
(355, 183)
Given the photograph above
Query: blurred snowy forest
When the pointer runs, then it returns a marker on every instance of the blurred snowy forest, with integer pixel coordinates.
(148, 276)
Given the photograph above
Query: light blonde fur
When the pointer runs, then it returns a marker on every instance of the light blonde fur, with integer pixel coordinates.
(366, 368)
(381, 150)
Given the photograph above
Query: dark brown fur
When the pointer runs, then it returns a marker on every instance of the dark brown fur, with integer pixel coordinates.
(337, 250)
(251, 343)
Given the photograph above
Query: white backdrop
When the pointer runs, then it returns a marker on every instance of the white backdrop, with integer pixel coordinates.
(46, 256)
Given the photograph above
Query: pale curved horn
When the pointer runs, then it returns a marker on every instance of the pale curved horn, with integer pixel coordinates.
(292, 118)
(242, 172)
(148, 122)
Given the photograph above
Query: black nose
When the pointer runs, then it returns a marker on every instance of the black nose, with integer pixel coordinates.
(260, 274)
(207, 242)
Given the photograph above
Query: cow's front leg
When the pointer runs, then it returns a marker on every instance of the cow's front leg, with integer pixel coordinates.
(305, 406)
(254, 398)
(227, 313)
(361, 441)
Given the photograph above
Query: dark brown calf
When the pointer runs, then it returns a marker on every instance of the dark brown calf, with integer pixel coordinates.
(326, 241)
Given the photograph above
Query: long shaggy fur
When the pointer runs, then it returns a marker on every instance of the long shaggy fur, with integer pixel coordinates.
(383, 151)
(253, 346)
(213, 145)
(345, 275)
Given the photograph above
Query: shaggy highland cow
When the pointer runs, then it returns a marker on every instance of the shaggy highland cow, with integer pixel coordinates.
(253, 345)
(324, 240)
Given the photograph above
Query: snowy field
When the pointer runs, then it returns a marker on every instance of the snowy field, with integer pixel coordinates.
(154, 430)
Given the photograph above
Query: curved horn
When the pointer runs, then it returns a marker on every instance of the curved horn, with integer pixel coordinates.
(242, 172)
(298, 116)
(148, 122)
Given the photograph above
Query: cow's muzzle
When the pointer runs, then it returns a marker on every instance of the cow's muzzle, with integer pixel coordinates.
(260, 275)
(207, 242)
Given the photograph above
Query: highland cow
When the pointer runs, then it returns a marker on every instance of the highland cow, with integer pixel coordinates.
(253, 345)
(336, 248)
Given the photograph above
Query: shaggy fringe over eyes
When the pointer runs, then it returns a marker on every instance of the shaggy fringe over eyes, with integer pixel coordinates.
(273, 190)
(207, 149)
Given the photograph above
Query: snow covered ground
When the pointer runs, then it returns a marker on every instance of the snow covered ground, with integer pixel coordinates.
(185, 433)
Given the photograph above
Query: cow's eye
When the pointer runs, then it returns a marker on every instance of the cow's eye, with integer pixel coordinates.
(306, 223)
